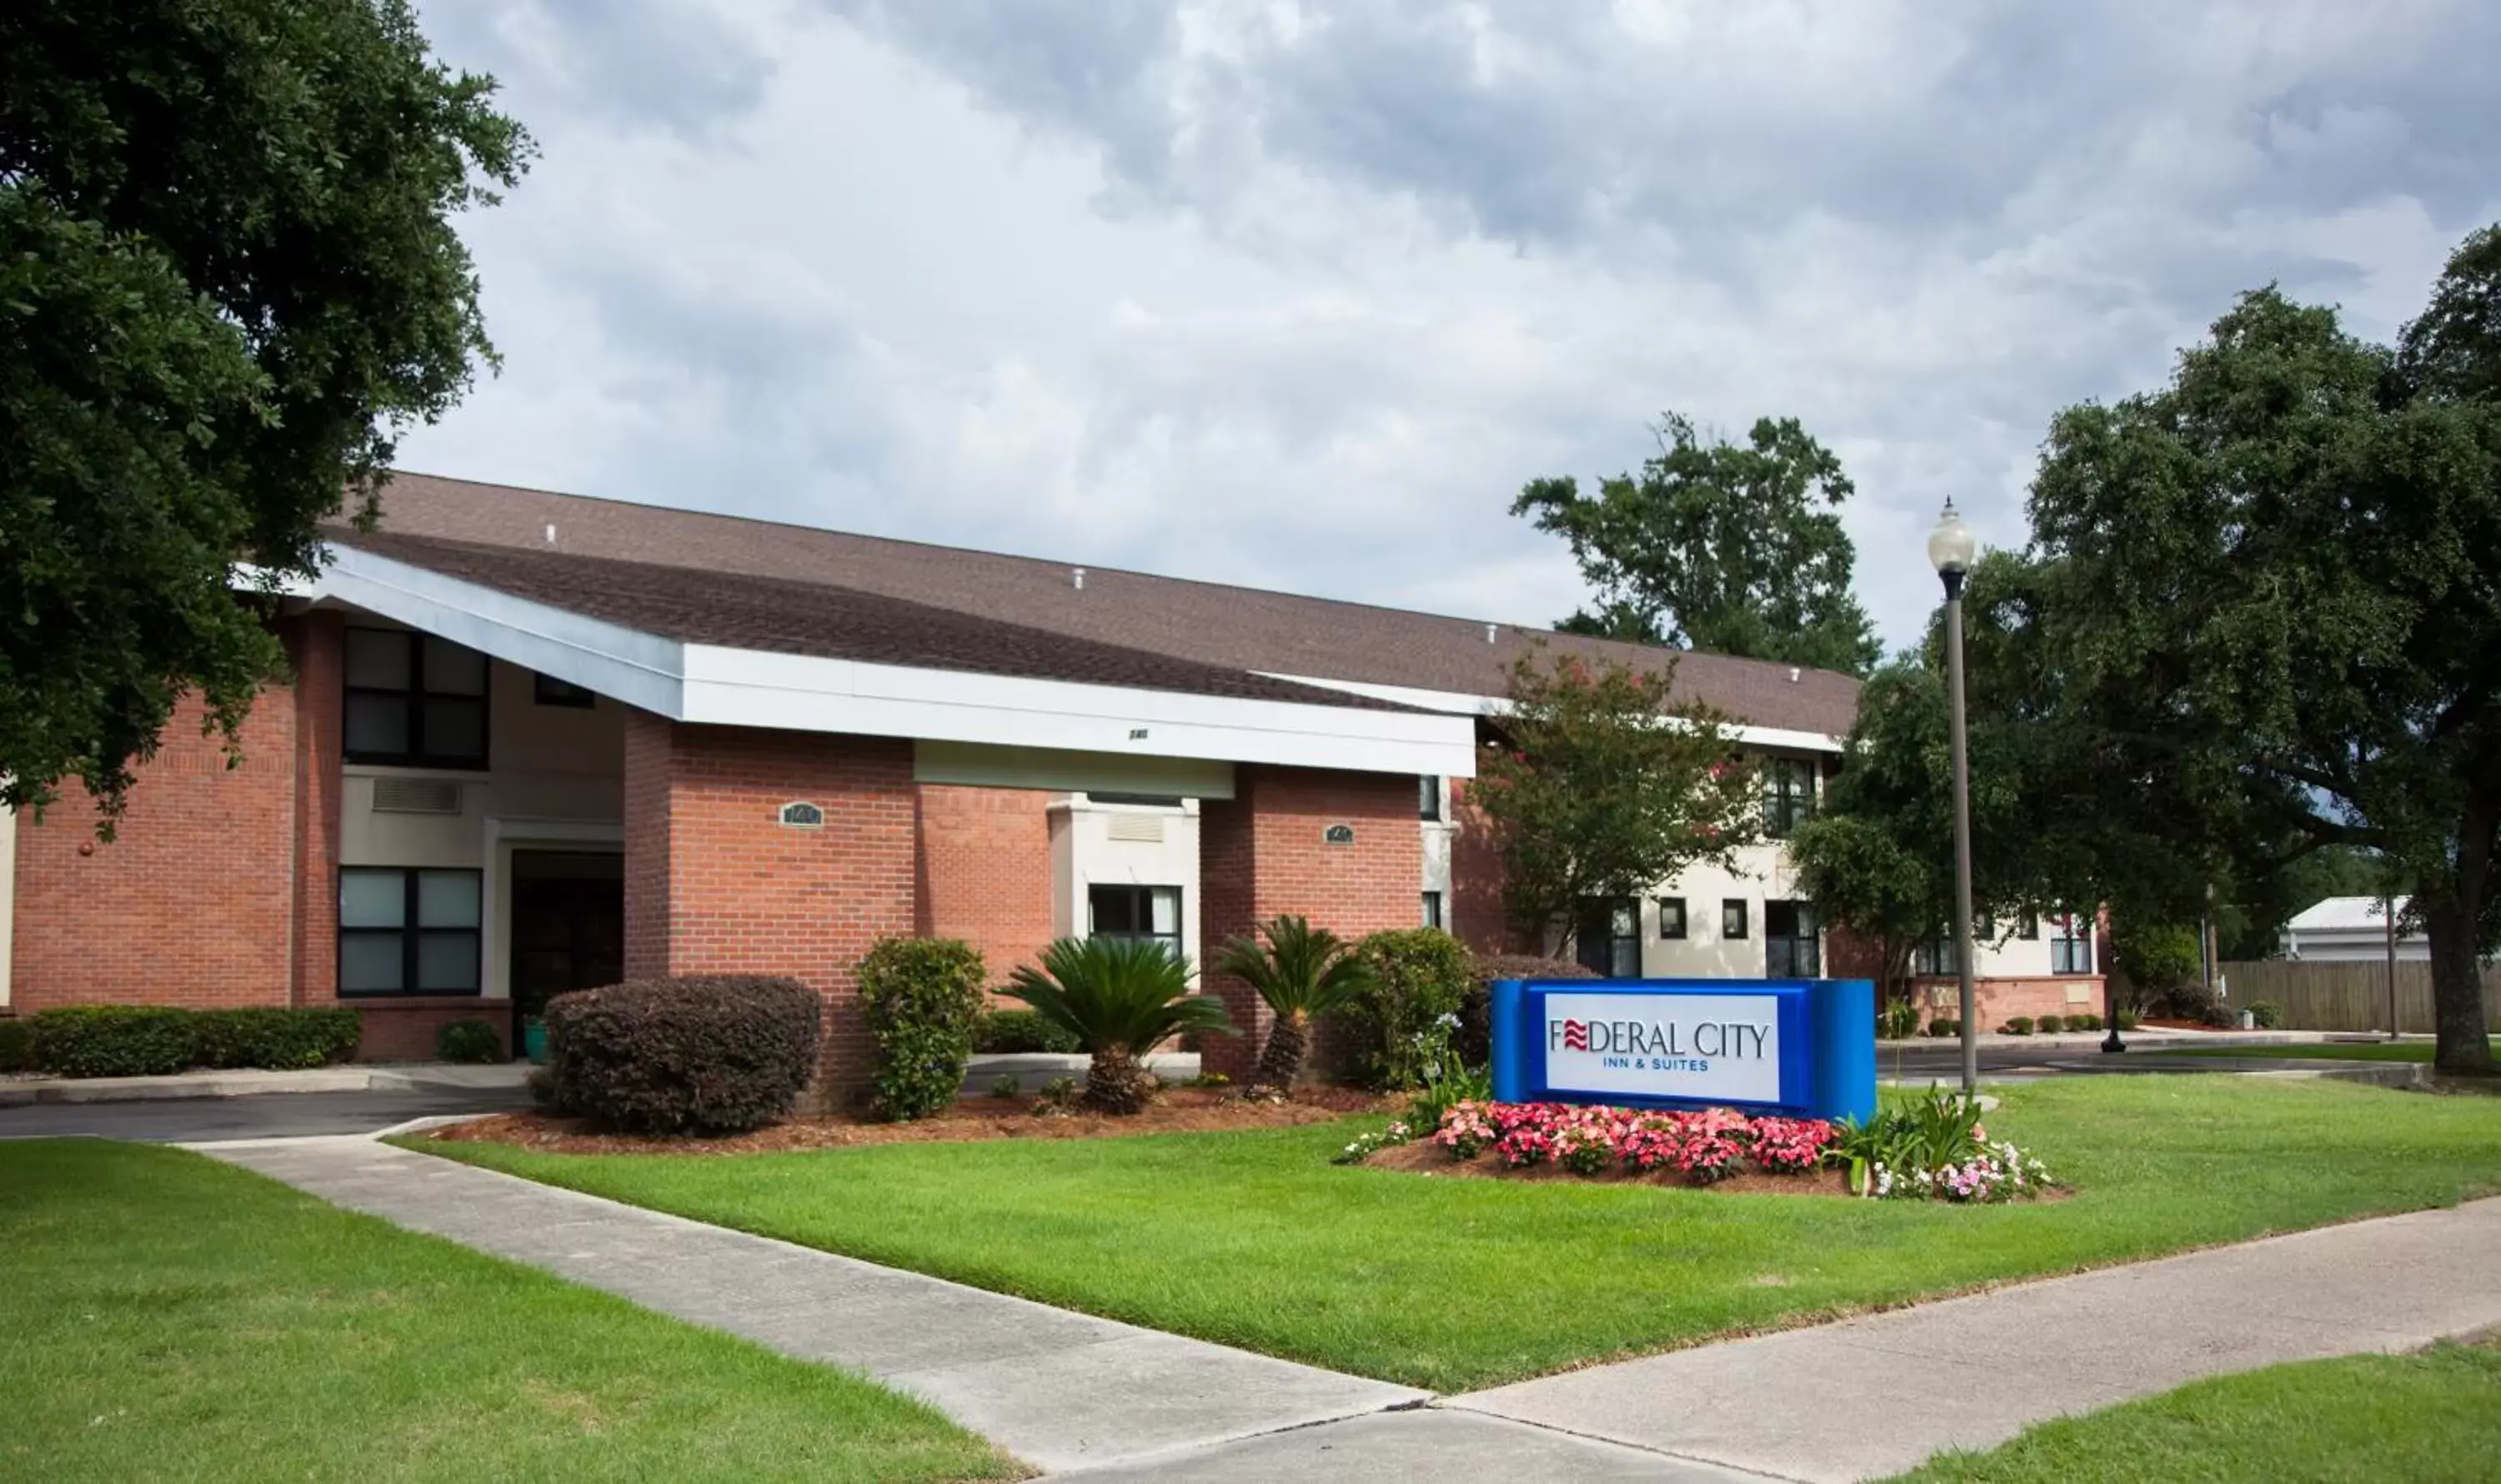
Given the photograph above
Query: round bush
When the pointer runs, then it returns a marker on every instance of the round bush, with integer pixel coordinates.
(468, 1040)
(705, 1054)
(923, 999)
(1419, 975)
(2266, 1014)
(1023, 1033)
(1476, 1012)
(2051, 1024)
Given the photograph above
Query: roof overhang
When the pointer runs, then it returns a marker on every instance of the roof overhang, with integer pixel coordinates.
(710, 684)
(1461, 703)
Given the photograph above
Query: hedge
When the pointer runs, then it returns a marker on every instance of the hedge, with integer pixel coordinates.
(468, 1040)
(14, 1038)
(1476, 1013)
(705, 1054)
(151, 1041)
(1015, 1033)
(923, 997)
(1419, 975)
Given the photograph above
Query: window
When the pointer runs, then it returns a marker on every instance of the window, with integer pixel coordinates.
(2027, 927)
(414, 699)
(548, 691)
(1149, 913)
(2071, 944)
(1788, 796)
(1935, 959)
(407, 931)
(1428, 796)
(1432, 909)
(1732, 917)
(1671, 919)
(1790, 947)
(1609, 939)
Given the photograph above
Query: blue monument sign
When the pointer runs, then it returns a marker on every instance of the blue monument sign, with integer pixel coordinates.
(1801, 1048)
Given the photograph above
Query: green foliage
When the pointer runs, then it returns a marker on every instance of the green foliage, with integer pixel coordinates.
(1404, 1023)
(2084, 1022)
(703, 1054)
(1302, 972)
(1589, 794)
(16, 1045)
(228, 279)
(1898, 1021)
(1475, 1038)
(1023, 1032)
(2266, 1015)
(468, 1040)
(2020, 1024)
(1005, 1085)
(1935, 1129)
(1457, 1084)
(276, 1037)
(1120, 997)
(2157, 958)
(1717, 546)
(2051, 1024)
(923, 1001)
(113, 1041)
(1945, 1025)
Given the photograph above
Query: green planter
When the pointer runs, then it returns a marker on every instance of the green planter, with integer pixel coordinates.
(534, 1041)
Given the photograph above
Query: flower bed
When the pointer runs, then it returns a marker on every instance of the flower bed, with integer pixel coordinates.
(1935, 1149)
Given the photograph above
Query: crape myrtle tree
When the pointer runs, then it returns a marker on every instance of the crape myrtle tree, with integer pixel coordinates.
(1717, 546)
(2269, 609)
(1599, 783)
(228, 275)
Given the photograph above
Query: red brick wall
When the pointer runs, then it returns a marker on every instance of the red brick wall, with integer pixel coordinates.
(1263, 853)
(1996, 1000)
(1476, 911)
(192, 902)
(403, 1029)
(715, 884)
(985, 871)
(317, 647)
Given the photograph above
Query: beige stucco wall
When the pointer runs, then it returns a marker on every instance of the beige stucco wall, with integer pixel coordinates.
(1084, 851)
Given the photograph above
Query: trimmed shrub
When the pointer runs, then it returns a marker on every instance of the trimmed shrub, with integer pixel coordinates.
(468, 1040)
(15, 1036)
(2126, 1019)
(1476, 1013)
(923, 999)
(1023, 1032)
(1396, 1032)
(1898, 1021)
(1945, 1025)
(283, 1039)
(2020, 1024)
(113, 1041)
(2266, 1014)
(2051, 1024)
(704, 1053)
(2085, 1022)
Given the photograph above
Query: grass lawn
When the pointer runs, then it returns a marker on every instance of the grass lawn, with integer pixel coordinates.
(2335, 1051)
(171, 1318)
(2428, 1419)
(1254, 1239)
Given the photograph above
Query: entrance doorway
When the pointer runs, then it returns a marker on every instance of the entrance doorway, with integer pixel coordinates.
(568, 925)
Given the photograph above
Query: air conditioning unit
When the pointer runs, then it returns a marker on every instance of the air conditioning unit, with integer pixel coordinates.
(1145, 828)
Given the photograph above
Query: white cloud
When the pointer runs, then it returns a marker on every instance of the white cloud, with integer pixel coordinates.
(1299, 296)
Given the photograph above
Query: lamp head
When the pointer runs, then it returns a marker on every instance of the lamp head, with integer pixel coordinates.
(1951, 545)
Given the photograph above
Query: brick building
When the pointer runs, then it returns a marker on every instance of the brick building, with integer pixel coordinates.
(534, 741)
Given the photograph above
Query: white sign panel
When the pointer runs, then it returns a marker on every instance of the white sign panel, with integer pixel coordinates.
(1711, 1048)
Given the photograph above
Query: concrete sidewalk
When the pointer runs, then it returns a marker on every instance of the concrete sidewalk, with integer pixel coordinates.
(1056, 1388)
(1872, 1396)
(349, 1077)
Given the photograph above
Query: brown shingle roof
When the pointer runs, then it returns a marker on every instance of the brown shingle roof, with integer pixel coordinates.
(1204, 625)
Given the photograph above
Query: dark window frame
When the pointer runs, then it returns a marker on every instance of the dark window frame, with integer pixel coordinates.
(414, 697)
(1428, 797)
(1677, 904)
(548, 691)
(412, 932)
(1736, 910)
(1622, 946)
(1142, 903)
(2071, 944)
(1790, 789)
(2027, 927)
(1434, 912)
(1942, 960)
(1798, 954)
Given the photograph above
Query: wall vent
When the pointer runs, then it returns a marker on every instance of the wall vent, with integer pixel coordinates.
(1146, 829)
(416, 796)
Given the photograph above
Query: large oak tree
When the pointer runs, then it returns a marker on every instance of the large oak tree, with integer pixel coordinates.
(228, 277)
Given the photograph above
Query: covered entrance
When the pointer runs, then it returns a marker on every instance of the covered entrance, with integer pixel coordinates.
(568, 925)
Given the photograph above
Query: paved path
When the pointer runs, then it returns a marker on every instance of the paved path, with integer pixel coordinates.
(1056, 1388)
(1872, 1396)
(268, 1115)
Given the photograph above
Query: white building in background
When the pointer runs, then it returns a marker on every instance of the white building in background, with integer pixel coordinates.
(2349, 929)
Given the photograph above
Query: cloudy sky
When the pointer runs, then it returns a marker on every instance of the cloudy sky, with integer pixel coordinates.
(1299, 294)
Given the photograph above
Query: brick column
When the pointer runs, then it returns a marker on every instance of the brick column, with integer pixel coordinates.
(317, 646)
(716, 883)
(1265, 852)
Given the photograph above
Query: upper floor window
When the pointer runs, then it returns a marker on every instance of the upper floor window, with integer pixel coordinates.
(1935, 958)
(1608, 937)
(1150, 914)
(413, 699)
(2071, 944)
(1792, 949)
(1671, 918)
(1789, 795)
(1428, 796)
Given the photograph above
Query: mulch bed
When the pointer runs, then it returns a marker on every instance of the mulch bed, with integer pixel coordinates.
(1178, 1110)
(1427, 1159)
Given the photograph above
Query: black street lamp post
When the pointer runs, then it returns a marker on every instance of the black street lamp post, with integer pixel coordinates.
(1950, 547)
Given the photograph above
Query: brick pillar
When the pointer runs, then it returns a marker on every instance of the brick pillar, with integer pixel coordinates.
(317, 646)
(716, 883)
(1265, 852)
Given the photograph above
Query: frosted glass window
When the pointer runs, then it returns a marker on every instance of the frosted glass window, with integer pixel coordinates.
(373, 899)
(447, 898)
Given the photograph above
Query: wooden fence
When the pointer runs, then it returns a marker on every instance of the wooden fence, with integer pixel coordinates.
(2347, 997)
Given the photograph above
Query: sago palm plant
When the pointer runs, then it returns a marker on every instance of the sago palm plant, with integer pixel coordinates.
(1119, 996)
(1303, 972)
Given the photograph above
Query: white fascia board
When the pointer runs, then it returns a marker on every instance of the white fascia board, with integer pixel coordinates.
(637, 668)
(750, 688)
(713, 684)
(1460, 703)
